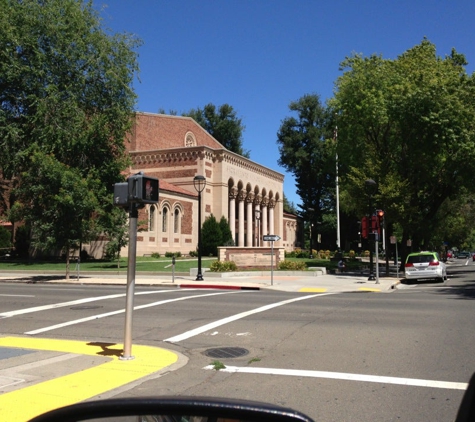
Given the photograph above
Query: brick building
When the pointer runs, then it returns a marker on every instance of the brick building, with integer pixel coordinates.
(175, 149)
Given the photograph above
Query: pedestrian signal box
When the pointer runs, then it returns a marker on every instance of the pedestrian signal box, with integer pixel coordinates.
(138, 189)
(143, 189)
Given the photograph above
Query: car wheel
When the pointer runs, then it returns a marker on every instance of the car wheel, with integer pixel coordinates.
(440, 279)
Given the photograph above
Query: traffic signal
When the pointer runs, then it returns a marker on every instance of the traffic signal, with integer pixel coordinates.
(143, 189)
(121, 195)
(364, 227)
(138, 189)
(380, 214)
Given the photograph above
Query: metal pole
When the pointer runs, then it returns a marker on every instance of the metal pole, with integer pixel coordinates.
(272, 263)
(129, 307)
(376, 247)
(199, 276)
(337, 196)
(173, 269)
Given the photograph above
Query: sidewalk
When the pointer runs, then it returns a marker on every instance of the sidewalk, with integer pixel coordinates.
(297, 282)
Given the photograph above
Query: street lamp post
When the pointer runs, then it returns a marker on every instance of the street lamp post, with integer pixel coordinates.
(371, 187)
(199, 182)
(258, 217)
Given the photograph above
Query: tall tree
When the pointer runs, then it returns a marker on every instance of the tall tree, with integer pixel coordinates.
(307, 151)
(223, 124)
(407, 123)
(65, 93)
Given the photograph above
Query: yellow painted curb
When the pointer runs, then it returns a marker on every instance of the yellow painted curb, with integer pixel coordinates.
(25, 403)
(313, 289)
(369, 289)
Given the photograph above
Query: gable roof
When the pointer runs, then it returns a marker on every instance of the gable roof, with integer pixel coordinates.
(166, 186)
(162, 131)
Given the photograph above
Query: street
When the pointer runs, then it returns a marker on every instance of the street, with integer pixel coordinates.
(404, 355)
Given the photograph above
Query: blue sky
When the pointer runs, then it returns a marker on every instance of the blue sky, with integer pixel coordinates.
(259, 55)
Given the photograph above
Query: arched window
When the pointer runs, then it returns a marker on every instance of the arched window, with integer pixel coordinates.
(151, 226)
(176, 221)
(165, 220)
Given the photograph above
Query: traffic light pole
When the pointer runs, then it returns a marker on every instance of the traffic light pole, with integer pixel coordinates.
(129, 306)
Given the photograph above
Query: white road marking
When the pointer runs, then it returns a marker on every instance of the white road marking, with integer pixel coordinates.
(73, 302)
(17, 295)
(232, 318)
(345, 376)
(120, 311)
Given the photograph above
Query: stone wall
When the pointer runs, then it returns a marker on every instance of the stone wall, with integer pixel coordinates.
(257, 257)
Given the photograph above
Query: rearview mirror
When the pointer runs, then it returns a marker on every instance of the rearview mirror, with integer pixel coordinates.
(172, 409)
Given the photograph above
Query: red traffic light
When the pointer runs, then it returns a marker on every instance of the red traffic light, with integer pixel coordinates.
(380, 213)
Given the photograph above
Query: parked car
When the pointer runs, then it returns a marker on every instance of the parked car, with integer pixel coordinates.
(425, 265)
(463, 255)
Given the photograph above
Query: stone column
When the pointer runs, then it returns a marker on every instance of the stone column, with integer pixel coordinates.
(265, 227)
(232, 211)
(257, 230)
(241, 198)
(249, 219)
(271, 216)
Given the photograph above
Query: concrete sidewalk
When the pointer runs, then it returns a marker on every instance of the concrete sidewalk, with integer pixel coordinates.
(346, 282)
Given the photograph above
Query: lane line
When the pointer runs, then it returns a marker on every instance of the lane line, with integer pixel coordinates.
(241, 315)
(346, 376)
(73, 302)
(120, 311)
(17, 295)
(23, 404)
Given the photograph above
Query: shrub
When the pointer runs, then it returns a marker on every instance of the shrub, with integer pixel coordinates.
(172, 254)
(111, 251)
(223, 266)
(155, 255)
(292, 266)
(226, 234)
(352, 254)
(211, 237)
(193, 253)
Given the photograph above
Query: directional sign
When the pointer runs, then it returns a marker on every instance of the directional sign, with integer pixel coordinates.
(270, 238)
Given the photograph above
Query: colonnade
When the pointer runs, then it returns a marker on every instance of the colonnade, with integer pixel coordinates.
(251, 215)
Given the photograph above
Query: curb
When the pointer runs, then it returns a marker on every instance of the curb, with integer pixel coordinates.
(213, 286)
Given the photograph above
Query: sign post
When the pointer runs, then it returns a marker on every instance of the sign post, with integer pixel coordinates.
(271, 238)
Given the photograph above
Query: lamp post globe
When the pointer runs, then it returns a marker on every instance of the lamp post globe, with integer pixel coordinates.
(199, 182)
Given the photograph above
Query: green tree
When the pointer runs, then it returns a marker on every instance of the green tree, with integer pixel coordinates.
(407, 123)
(211, 236)
(65, 93)
(223, 124)
(226, 234)
(59, 204)
(5, 239)
(307, 151)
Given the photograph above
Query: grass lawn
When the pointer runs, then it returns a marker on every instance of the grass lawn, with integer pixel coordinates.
(143, 264)
(182, 265)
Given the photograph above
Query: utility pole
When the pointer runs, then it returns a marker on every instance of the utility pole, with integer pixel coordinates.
(337, 193)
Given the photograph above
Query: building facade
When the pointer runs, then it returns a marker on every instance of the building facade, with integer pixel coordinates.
(175, 149)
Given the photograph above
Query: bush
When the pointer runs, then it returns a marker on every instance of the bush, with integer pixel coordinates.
(155, 255)
(172, 254)
(193, 253)
(292, 266)
(352, 254)
(223, 266)
(5, 237)
(111, 251)
(211, 237)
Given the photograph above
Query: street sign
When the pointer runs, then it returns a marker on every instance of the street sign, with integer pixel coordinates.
(270, 238)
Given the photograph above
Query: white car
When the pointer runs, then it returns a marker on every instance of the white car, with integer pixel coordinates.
(425, 265)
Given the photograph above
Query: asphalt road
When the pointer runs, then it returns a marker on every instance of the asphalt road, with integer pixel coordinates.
(350, 356)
